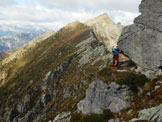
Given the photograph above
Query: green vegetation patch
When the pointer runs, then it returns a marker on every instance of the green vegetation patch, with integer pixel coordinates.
(133, 80)
(78, 117)
(105, 72)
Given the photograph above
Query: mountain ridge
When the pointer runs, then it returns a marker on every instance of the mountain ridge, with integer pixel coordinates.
(64, 60)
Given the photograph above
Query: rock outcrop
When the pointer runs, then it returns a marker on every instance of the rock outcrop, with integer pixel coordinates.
(62, 117)
(142, 41)
(152, 115)
(101, 96)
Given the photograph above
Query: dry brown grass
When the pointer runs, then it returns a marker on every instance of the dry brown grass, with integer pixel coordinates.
(144, 101)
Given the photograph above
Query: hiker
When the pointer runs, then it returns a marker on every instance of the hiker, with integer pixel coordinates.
(115, 52)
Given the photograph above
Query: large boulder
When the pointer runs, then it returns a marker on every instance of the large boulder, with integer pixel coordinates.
(142, 41)
(101, 96)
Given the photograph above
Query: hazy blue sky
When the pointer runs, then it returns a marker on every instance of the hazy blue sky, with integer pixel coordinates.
(56, 13)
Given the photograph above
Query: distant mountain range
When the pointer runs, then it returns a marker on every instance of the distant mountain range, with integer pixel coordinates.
(12, 37)
(13, 41)
(3, 48)
(9, 29)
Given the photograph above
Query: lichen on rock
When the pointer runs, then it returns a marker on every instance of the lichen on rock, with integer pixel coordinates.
(152, 114)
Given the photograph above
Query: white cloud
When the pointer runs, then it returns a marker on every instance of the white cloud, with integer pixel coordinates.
(60, 12)
(50, 18)
(125, 5)
(7, 2)
(124, 17)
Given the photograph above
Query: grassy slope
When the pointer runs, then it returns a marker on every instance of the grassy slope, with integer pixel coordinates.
(27, 73)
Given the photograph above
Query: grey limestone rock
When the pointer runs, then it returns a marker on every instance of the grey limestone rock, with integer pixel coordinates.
(151, 115)
(142, 40)
(63, 117)
(101, 96)
(116, 120)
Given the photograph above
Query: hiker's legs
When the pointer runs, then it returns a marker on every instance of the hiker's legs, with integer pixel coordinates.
(117, 58)
(113, 61)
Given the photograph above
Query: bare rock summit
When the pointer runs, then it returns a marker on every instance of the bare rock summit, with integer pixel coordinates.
(105, 29)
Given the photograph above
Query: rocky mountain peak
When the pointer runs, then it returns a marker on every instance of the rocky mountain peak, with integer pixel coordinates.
(105, 29)
(103, 17)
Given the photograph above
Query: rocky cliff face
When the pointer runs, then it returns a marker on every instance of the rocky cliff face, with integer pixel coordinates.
(142, 41)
